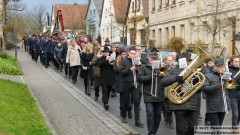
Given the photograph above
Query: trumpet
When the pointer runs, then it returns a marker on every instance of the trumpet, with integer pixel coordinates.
(111, 62)
(137, 61)
(163, 69)
(230, 83)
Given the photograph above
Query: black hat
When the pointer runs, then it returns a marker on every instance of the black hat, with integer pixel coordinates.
(189, 51)
(219, 62)
(107, 40)
(153, 55)
(105, 49)
(154, 49)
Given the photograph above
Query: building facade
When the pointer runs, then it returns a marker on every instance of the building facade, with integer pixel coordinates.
(93, 18)
(113, 20)
(193, 21)
(137, 22)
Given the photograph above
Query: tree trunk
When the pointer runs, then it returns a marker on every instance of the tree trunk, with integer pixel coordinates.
(4, 19)
(213, 42)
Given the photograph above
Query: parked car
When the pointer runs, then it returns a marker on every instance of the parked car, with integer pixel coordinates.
(79, 38)
(119, 45)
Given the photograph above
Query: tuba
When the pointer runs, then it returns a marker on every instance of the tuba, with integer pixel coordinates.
(194, 80)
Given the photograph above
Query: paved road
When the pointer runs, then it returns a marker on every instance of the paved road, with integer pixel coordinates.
(114, 104)
(68, 111)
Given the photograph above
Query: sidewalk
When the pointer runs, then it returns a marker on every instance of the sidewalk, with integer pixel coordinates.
(68, 110)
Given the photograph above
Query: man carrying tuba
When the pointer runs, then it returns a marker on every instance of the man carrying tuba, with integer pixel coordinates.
(185, 113)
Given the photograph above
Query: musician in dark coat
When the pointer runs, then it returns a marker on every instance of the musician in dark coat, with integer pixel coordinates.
(207, 69)
(234, 94)
(129, 76)
(106, 76)
(217, 98)
(119, 82)
(185, 113)
(152, 92)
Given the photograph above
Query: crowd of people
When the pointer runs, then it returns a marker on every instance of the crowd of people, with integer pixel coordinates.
(114, 71)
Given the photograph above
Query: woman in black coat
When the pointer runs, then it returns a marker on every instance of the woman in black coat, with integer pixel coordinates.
(87, 70)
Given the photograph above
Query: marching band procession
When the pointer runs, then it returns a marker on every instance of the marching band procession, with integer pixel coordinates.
(171, 84)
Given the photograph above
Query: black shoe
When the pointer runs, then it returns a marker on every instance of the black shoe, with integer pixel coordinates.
(96, 99)
(124, 120)
(106, 106)
(113, 94)
(171, 126)
(139, 124)
(89, 94)
(207, 123)
(130, 112)
(74, 81)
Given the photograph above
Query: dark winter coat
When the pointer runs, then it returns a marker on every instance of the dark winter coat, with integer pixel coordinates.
(96, 68)
(58, 52)
(65, 49)
(47, 46)
(127, 74)
(85, 61)
(207, 69)
(145, 77)
(191, 103)
(118, 77)
(214, 97)
(235, 93)
(106, 72)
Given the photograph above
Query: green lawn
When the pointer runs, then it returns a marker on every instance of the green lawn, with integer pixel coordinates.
(19, 113)
(9, 65)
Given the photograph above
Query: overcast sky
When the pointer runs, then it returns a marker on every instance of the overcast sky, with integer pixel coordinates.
(30, 4)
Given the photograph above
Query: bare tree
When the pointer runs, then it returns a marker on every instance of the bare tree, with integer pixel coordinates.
(215, 17)
(37, 19)
(7, 7)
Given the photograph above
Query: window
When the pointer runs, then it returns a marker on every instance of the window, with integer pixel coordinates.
(167, 35)
(192, 32)
(133, 7)
(94, 12)
(173, 32)
(166, 3)
(182, 31)
(90, 14)
(160, 4)
(139, 6)
(153, 5)
(153, 34)
(160, 37)
(104, 34)
(206, 35)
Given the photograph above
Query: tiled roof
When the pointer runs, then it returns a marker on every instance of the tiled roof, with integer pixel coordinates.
(72, 14)
(121, 9)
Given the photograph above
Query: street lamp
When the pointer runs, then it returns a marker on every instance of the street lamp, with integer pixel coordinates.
(15, 22)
